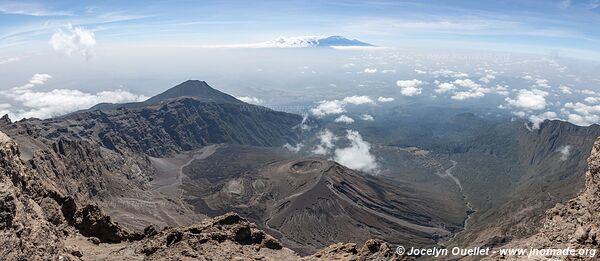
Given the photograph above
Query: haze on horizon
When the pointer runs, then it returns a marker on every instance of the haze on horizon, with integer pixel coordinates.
(530, 59)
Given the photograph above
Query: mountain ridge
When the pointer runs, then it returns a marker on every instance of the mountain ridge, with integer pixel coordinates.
(195, 89)
(317, 41)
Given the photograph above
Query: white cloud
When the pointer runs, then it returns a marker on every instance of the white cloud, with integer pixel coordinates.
(467, 83)
(385, 99)
(565, 89)
(39, 78)
(75, 40)
(291, 42)
(564, 151)
(4, 60)
(445, 87)
(475, 90)
(62, 101)
(529, 99)
(410, 87)
(4, 109)
(337, 106)
(370, 70)
(304, 125)
(467, 95)
(47, 104)
(588, 92)
(291, 148)
(250, 99)
(328, 107)
(542, 83)
(448, 73)
(502, 90)
(487, 78)
(388, 71)
(30, 9)
(536, 120)
(583, 120)
(592, 100)
(367, 117)
(520, 114)
(344, 119)
(286, 42)
(326, 140)
(420, 71)
(357, 100)
(581, 114)
(358, 155)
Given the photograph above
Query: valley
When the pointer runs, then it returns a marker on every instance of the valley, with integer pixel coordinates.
(180, 160)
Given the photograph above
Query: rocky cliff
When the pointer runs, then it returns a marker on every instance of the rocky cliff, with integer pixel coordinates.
(574, 224)
(35, 217)
(37, 222)
(515, 175)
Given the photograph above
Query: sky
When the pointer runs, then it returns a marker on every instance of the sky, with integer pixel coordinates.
(567, 27)
(531, 59)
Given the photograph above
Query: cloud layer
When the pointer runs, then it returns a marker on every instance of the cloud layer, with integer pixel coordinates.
(56, 102)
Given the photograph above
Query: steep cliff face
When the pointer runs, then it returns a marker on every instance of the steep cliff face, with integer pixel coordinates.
(167, 128)
(25, 226)
(576, 222)
(185, 117)
(518, 174)
(35, 216)
(573, 224)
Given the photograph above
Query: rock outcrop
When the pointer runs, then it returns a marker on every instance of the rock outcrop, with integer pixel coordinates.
(35, 217)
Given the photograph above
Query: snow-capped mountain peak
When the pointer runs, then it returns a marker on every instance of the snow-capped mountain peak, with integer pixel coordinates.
(315, 41)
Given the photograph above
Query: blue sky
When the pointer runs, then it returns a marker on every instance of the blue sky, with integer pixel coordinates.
(568, 27)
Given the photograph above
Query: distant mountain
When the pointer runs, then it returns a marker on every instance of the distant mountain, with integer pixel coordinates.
(198, 90)
(315, 41)
(185, 117)
(340, 41)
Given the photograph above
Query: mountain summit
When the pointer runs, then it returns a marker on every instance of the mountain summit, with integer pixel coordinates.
(194, 89)
(199, 90)
(316, 41)
(340, 41)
